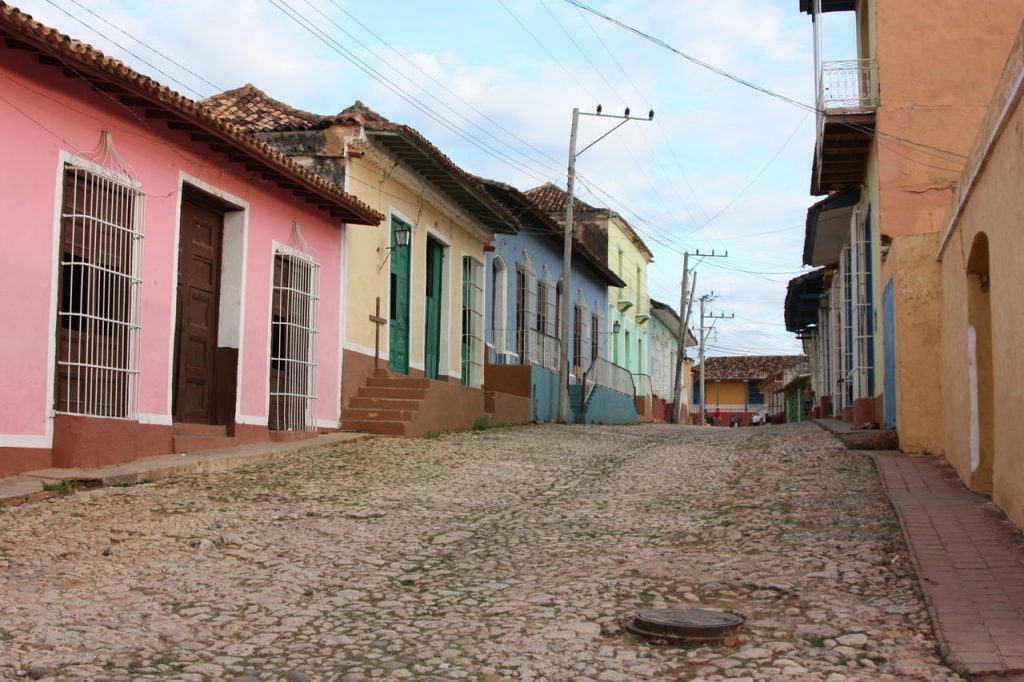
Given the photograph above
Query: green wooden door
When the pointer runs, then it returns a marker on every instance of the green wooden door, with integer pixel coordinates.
(398, 340)
(432, 344)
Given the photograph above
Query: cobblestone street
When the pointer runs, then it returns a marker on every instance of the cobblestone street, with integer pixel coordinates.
(504, 554)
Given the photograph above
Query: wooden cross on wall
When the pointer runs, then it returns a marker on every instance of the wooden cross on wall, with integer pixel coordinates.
(378, 321)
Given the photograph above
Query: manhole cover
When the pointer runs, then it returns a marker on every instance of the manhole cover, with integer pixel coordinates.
(685, 624)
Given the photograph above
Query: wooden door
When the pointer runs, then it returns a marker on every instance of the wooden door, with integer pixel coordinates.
(199, 255)
(432, 343)
(398, 327)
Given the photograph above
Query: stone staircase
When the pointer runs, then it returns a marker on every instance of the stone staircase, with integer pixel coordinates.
(198, 437)
(385, 405)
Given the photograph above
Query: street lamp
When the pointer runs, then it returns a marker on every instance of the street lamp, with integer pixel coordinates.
(563, 391)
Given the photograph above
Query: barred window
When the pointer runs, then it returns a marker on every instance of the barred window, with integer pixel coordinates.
(754, 394)
(98, 294)
(293, 347)
(472, 322)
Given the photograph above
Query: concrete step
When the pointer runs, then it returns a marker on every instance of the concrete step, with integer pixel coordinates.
(199, 443)
(383, 403)
(384, 428)
(397, 382)
(208, 430)
(375, 414)
(392, 393)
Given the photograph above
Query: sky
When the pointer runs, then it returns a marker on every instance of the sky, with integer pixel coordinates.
(492, 83)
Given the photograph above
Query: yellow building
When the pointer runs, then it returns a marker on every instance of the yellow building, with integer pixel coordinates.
(732, 385)
(413, 298)
(982, 305)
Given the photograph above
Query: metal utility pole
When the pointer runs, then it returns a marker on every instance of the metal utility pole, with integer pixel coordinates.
(563, 374)
(704, 331)
(684, 325)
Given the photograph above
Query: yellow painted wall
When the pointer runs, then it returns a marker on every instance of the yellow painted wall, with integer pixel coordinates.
(917, 298)
(726, 393)
(996, 209)
(369, 272)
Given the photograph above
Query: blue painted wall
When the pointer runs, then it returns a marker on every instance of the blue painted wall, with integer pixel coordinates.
(543, 251)
(544, 383)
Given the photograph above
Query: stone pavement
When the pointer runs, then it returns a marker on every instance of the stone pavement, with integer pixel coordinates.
(507, 554)
(970, 561)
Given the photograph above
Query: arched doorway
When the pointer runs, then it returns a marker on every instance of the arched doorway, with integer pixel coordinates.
(980, 370)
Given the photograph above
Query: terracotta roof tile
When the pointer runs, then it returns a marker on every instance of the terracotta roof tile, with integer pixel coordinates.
(740, 367)
(94, 66)
(552, 198)
(252, 109)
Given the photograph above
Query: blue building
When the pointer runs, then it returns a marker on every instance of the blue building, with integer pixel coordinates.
(523, 280)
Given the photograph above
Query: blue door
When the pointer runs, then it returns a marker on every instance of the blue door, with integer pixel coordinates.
(889, 342)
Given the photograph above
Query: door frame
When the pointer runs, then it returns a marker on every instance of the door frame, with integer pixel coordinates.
(432, 242)
(411, 248)
(233, 290)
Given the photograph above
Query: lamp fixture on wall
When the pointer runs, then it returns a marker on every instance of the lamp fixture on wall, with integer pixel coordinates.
(616, 326)
(403, 235)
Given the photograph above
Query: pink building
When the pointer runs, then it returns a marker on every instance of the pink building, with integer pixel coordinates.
(170, 282)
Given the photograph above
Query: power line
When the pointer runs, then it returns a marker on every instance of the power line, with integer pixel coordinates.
(747, 83)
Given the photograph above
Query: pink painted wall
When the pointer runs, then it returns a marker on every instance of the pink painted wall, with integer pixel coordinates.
(43, 113)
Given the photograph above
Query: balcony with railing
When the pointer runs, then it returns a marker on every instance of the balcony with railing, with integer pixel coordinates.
(848, 85)
(846, 102)
(605, 373)
(532, 347)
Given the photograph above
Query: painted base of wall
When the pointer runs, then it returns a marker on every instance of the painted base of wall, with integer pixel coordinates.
(93, 442)
(15, 461)
(863, 411)
(644, 406)
(506, 409)
(86, 442)
(511, 379)
(605, 406)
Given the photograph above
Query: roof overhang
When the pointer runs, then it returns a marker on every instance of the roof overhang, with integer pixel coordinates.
(841, 159)
(670, 320)
(803, 298)
(409, 150)
(151, 100)
(807, 6)
(828, 227)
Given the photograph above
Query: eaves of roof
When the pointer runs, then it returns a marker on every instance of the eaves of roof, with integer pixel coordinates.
(156, 101)
(523, 207)
(431, 163)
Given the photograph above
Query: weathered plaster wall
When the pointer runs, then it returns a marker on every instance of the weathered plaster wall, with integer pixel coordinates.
(917, 294)
(664, 347)
(57, 114)
(995, 208)
(937, 70)
(386, 190)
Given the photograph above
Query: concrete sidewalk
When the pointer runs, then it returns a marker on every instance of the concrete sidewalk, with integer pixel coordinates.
(969, 559)
(29, 487)
(859, 439)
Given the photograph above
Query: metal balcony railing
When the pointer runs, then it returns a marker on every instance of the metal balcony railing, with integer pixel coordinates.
(848, 84)
(606, 373)
(644, 385)
(541, 350)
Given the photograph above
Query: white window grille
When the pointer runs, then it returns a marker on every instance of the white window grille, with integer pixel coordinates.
(99, 293)
(293, 341)
(526, 308)
(472, 322)
(860, 268)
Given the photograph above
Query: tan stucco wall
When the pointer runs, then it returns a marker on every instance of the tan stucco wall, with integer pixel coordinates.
(918, 328)
(996, 207)
(369, 273)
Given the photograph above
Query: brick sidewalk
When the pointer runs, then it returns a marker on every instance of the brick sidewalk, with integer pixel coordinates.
(969, 559)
